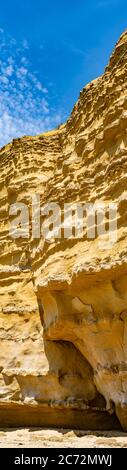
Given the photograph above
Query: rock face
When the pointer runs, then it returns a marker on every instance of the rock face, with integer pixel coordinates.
(63, 301)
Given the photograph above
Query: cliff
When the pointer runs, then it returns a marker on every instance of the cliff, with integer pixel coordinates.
(63, 300)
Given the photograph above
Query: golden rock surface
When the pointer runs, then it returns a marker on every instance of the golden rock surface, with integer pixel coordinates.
(63, 304)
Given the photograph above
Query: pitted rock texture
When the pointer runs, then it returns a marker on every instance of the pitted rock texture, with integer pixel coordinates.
(63, 303)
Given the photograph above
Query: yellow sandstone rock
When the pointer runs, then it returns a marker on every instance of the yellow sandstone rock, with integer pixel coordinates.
(63, 303)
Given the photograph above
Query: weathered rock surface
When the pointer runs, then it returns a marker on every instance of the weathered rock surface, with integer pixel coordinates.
(63, 304)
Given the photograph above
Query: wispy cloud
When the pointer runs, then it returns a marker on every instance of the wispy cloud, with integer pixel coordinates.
(77, 51)
(24, 101)
(74, 49)
(106, 3)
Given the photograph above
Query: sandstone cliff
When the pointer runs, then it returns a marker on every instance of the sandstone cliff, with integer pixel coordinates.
(63, 304)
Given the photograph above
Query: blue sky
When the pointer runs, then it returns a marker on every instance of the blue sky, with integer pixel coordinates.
(49, 50)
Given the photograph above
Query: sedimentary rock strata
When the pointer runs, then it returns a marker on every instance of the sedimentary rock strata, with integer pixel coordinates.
(63, 301)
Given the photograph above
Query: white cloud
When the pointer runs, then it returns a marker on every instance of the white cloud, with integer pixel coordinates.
(24, 102)
(9, 70)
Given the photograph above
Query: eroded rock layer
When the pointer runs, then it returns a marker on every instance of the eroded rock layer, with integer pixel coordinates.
(63, 302)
